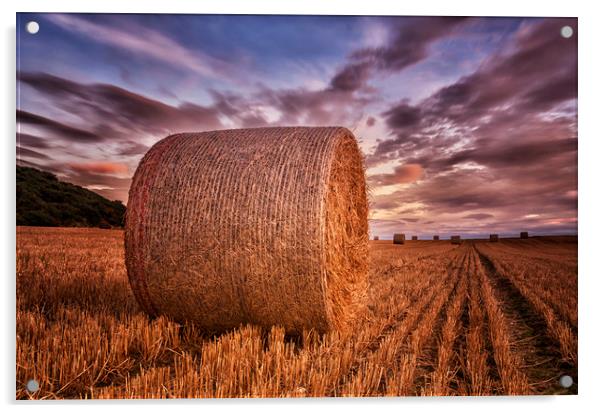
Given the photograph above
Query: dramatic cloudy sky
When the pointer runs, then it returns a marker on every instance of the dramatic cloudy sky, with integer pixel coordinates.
(469, 125)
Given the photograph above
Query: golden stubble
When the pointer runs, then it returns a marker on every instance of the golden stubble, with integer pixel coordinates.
(476, 319)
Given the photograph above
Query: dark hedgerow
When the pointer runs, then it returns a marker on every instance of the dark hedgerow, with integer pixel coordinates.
(43, 200)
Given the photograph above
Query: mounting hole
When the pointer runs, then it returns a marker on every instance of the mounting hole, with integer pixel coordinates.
(32, 27)
(566, 32)
(566, 381)
(32, 386)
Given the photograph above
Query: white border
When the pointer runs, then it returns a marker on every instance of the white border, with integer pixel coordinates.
(590, 286)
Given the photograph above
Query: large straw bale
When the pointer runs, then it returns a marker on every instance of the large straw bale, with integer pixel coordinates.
(265, 226)
(435, 237)
(524, 235)
(455, 239)
(494, 237)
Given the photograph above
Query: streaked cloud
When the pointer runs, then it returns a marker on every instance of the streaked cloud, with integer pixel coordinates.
(401, 174)
(468, 124)
(142, 40)
(110, 168)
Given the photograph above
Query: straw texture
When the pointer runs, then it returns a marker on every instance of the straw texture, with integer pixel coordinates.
(266, 226)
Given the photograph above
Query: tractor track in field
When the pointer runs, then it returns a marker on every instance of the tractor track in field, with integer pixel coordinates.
(491, 378)
(542, 360)
(553, 305)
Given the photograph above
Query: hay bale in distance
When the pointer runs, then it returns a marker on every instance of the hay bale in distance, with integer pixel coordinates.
(455, 239)
(435, 237)
(266, 226)
(524, 235)
(399, 238)
(414, 237)
(494, 238)
(376, 238)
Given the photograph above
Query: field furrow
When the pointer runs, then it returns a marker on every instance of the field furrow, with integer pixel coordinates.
(394, 319)
(448, 375)
(479, 364)
(542, 362)
(557, 328)
(373, 371)
(551, 287)
(475, 319)
(508, 362)
(401, 378)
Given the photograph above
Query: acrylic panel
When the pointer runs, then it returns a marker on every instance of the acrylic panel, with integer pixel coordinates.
(233, 206)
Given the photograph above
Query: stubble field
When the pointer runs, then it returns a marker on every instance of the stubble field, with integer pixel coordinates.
(478, 318)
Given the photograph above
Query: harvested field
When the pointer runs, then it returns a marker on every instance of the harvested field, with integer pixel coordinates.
(477, 318)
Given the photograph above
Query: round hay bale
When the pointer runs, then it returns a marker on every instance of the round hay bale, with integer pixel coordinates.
(266, 226)
(399, 238)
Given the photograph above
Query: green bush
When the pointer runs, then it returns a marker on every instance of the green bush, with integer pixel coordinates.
(43, 200)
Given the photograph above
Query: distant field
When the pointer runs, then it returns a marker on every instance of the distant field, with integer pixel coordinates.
(478, 318)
